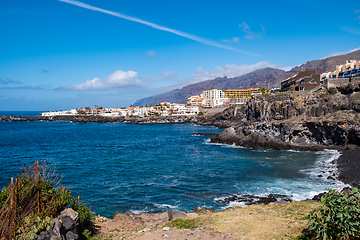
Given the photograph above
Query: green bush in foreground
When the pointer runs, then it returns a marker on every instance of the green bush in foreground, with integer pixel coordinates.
(52, 202)
(186, 223)
(338, 216)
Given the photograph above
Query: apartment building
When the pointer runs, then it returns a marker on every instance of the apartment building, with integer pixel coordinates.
(213, 94)
(240, 93)
(197, 100)
(351, 68)
(305, 80)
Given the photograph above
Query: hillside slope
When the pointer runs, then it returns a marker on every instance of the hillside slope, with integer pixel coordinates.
(327, 64)
(266, 77)
(269, 77)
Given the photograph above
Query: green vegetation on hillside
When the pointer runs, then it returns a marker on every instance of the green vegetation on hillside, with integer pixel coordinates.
(33, 204)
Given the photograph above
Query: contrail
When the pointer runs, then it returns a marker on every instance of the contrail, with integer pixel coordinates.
(159, 27)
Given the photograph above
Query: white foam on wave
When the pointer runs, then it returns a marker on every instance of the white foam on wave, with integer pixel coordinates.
(197, 125)
(137, 211)
(164, 206)
(207, 141)
(291, 150)
(324, 165)
(233, 204)
(301, 189)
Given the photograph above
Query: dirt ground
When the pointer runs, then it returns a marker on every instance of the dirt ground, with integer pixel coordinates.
(282, 220)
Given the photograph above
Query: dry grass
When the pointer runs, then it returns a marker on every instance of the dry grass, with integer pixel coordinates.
(261, 222)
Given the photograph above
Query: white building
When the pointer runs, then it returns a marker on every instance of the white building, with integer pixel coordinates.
(213, 94)
(178, 107)
(218, 102)
(59, 113)
(197, 100)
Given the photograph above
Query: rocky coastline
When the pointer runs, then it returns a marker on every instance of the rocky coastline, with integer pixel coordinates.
(68, 118)
(104, 119)
(327, 119)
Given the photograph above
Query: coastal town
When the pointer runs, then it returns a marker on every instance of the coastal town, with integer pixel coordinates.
(304, 81)
(179, 120)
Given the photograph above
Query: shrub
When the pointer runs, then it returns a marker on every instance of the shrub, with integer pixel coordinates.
(52, 202)
(338, 216)
(33, 225)
(185, 223)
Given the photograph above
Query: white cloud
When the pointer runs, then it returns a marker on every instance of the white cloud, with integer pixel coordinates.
(357, 11)
(244, 26)
(159, 27)
(118, 79)
(342, 53)
(250, 34)
(262, 28)
(9, 81)
(351, 30)
(230, 71)
(122, 80)
(234, 39)
(287, 68)
(165, 76)
(150, 54)
(168, 80)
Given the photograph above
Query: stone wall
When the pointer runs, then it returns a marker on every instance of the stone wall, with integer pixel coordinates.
(328, 83)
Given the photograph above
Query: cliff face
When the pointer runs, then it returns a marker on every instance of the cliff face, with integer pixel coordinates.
(301, 106)
(296, 121)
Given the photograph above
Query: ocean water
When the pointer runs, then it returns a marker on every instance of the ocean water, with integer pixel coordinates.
(20, 113)
(120, 167)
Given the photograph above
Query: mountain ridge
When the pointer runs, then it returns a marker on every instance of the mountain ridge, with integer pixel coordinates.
(265, 77)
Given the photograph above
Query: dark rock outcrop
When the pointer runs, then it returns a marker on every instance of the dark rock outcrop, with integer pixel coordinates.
(307, 122)
(252, 199)
(161, 120)
(224, 119)
(69, 118)
(64, 227)
(204, 134)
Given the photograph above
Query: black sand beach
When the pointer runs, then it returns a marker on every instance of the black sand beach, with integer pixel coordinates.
(349, 166)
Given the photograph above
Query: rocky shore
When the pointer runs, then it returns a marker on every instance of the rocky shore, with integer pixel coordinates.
(105, 119)
(304, 122)
(69, 118)
(348, 166)
(300, 121)
(201, 223)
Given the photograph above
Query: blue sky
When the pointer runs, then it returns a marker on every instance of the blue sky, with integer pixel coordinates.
(62, 54)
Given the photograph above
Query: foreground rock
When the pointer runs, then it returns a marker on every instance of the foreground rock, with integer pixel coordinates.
(65, 226)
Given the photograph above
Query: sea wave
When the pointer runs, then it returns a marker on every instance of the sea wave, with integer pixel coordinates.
(164, 206)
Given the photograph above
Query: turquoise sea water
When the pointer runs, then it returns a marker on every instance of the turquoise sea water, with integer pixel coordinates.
(120, 167)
